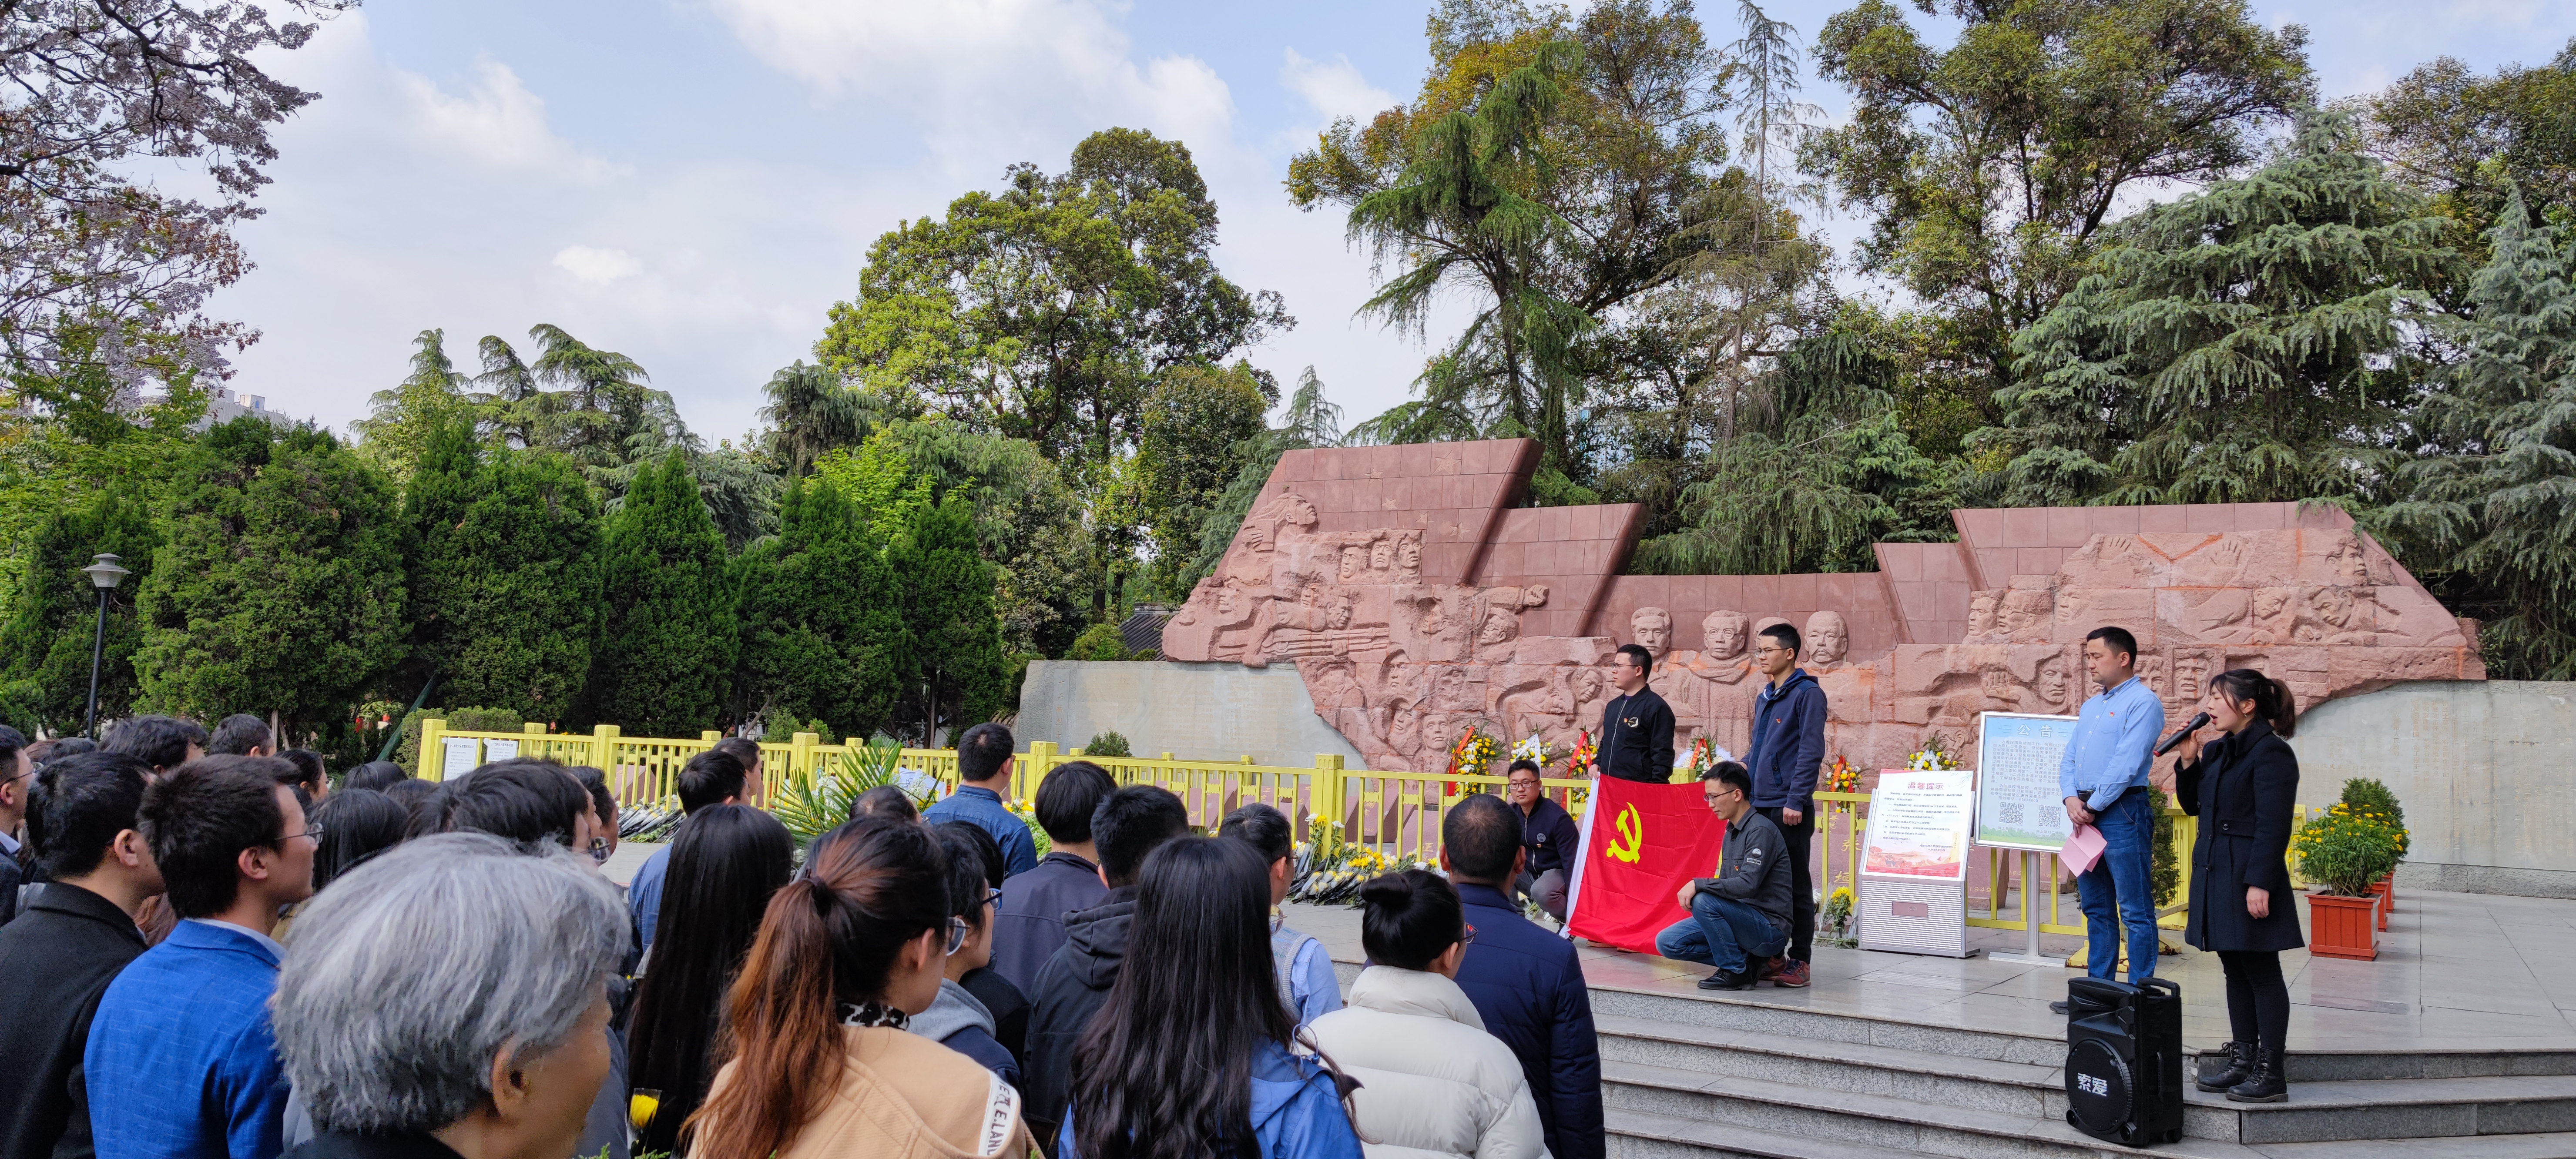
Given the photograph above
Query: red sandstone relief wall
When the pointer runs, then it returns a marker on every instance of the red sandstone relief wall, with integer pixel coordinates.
(1416, 601)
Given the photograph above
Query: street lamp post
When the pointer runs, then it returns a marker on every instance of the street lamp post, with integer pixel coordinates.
(104, 574)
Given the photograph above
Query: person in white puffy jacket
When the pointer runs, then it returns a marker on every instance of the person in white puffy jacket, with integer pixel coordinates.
(1432, 1082)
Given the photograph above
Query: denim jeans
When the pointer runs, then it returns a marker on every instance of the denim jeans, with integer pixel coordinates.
(2122, 877)
(1721, 932)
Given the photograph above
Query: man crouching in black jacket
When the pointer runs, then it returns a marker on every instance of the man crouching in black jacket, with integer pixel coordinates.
(1741, 916)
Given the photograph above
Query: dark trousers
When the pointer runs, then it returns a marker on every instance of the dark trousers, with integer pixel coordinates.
(1802, 883)
(2258, 1002)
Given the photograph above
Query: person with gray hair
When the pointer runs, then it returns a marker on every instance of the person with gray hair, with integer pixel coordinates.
(499, 953)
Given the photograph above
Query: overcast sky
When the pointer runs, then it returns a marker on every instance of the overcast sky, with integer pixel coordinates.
(694, 182)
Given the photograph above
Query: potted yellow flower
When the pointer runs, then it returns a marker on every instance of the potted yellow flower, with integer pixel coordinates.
(2347, 852)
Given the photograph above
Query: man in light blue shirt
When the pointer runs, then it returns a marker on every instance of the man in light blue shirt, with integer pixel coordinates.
(2103, 779)
(983, 777)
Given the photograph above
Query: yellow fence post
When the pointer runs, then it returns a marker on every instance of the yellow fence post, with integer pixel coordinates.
(800, 752)
(1325, 805)
(433, 763)
(603, 756)
(1032, 769)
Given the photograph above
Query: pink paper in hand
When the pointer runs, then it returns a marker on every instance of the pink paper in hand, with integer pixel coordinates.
(2082, 849)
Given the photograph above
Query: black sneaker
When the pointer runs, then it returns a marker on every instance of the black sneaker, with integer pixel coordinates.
(1727, 980)
(2060, 1008)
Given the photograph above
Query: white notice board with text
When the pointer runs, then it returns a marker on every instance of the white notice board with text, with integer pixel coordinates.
(2017, 802)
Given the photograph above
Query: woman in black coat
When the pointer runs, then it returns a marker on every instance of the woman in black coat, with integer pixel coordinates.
(2243, 787)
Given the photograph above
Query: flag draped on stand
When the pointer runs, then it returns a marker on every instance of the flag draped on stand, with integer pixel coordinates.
(1640, 843)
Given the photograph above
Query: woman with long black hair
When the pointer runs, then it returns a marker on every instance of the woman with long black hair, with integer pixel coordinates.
(726, 861)
(820, 1063)
(2244, 786)
(1193, 1055)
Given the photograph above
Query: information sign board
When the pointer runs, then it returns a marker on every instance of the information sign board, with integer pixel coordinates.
(2017, 802)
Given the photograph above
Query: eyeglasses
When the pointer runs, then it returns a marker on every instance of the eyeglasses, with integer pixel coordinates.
(1469, 937)
(599, 851)
(992, 897)
(956, 935)
(311, 830)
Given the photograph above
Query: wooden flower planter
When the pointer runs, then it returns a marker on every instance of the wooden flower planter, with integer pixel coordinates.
(2343, 927)
(2386, 888)
(2383, 901)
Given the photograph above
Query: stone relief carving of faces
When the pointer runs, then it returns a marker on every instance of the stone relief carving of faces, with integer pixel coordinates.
(1981, 614)
(1337, 613)
(2025, 611)
(1653, 629)
(2190, 670)
(2053, 679)
(1226, 603)
(1588, 684)
(2345, 562)
(1381, 554)
(1354, 560)
(1500, 627)
(2332, 605)
(1408, 552)
(1722, 635)
(2270, 602)
(1827, 638)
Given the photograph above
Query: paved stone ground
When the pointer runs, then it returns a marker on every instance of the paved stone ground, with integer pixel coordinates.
(2455, 971)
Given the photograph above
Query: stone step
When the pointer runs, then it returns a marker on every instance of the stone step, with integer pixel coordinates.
(1641, 1135)
(1828, 1065)
(2359, 1109)
(2386, 1109)
(1873, 1120)
(2555, 1145)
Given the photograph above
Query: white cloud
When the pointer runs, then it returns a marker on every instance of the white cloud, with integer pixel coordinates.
(984, 75)
(1333, 89)
(598, 267)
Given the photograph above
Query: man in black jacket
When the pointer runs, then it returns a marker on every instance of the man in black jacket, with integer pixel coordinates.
(1028, 925)
(16, 773)
(1637, 726)
(1547, 835)
(1741, 916)
(70, 943)
(1129, 824)
(1526, 983)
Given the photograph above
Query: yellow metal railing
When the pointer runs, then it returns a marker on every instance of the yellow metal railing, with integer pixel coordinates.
(1394, 813)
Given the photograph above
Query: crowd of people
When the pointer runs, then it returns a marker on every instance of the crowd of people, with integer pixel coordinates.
(220, 954)
(225, 955)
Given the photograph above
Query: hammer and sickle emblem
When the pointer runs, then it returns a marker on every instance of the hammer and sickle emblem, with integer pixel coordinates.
(1632, 836)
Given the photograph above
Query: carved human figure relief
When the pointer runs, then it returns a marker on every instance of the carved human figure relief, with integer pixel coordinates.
(1828, 638)
(1983, 608)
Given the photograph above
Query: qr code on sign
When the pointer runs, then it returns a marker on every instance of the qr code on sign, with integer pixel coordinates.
(2012, 813)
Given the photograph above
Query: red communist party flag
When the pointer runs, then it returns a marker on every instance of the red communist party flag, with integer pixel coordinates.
(1640, 843)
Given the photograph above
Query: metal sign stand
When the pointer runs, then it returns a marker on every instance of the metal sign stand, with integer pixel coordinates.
(2030, 955)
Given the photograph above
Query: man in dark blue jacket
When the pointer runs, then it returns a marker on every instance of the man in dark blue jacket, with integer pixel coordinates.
(1788, 750)
(1525, 982)
(1548, 836)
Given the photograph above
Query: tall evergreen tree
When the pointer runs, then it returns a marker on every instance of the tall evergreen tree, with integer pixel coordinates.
(280, 588)
(47, 641)
(670, 604)
(2240, 345)
(821, 633)
(956, 674)
(2494, 499)
(505, 575)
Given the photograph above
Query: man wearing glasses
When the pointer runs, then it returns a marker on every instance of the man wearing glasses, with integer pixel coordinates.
(1787, 752)
(1547, 834)
(1739, 918)
(1637, 726)
(181, 1058)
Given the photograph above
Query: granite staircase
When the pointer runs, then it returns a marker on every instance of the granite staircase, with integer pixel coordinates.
(1723, 1076)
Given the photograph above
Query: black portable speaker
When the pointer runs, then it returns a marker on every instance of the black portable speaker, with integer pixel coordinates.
(2124, 1060)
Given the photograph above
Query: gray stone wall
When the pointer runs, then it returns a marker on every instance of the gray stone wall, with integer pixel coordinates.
(2486, 770)
(1204, 712)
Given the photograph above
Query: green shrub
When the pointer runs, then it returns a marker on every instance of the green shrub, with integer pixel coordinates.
(1107, 744)
(1098, 642)
(2345, 851)
(2370, 799)
(783, 729)
(2164, 873)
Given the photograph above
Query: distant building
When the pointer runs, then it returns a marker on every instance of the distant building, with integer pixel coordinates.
(223, 405)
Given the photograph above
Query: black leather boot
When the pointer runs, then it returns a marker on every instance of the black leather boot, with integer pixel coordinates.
(2267, 1084)
(2229, 1065)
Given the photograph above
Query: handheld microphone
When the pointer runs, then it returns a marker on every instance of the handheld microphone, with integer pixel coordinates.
(2188, 727)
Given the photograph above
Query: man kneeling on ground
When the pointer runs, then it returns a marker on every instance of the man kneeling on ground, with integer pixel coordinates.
(1739, 918)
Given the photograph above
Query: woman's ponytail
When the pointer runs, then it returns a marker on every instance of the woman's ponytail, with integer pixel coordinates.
(779, 1032)
(2283, 710)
